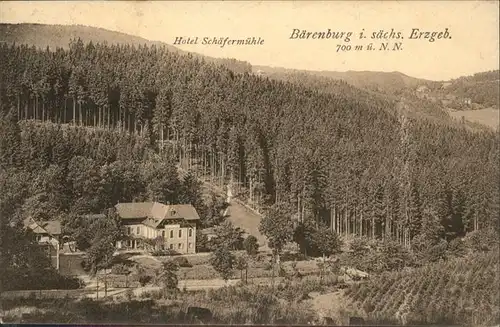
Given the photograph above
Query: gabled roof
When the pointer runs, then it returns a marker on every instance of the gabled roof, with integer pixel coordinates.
(134, 210)
(52, 227)
(152, 222)
(157, 211)
(186, 211)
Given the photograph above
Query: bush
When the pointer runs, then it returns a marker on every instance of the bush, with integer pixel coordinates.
(251, 245)
(120, 269)
(482, 240)
(34, 280)
(377, 256)
(163, 253)
(202, 242)
(145, 279)
(436, 252)
(182, 262)
(292, 256)
(268, 266)
(129, 294)
(359, 246)
(396, 256)
(456, 248)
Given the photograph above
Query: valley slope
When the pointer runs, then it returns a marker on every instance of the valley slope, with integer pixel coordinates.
(395, 87)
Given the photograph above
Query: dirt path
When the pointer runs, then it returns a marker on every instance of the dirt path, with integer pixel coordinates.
(239, 214)
(247, 220)
(188, 284)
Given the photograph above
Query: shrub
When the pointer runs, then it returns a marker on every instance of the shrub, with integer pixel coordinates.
(202, 242)
(38, 279)
(120, 269)
(292, 256)
(223, 261)
(436, 252)
(396, 256)
(163, 253)
(168, 275)
(456, 248)
(377, 256)
(268, 266)
(359, 246)
(482, 240)
(129, 294)
(182, 262)
(251, 245)
(144, 279)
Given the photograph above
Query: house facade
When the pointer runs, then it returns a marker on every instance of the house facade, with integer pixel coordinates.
(47, 235)
(168, 227)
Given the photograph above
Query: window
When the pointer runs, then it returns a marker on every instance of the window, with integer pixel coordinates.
(163, 233)
(190, 245)
(138, 230)
(171, 246)
(180, 232)
(171, 234)
(179, 245)
(129, 230)
(190, 232)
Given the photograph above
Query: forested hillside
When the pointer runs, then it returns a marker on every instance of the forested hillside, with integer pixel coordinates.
(346, 158)
(391, 87)
(387, 82)
(60, 172)
(388, 86)
(59, 36)
(481, 88)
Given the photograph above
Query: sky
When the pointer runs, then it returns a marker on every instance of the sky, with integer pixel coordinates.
(472, 25)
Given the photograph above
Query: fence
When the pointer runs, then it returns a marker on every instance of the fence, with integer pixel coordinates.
(44, 294)
(88, 288)
(118, 281)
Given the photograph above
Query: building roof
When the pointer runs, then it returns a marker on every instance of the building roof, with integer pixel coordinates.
(134, 210)
(52, 227)
(186, 211)
(156, 211)
(152, 222)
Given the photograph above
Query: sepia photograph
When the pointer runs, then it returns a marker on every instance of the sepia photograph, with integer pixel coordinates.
(250, 163)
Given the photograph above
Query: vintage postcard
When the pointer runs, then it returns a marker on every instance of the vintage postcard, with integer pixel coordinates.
(249, 162)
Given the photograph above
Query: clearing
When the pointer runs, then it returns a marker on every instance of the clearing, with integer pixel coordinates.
(489, 116)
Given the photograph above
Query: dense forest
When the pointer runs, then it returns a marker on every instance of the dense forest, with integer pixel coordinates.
(385, 82)
(54, 36)
(347, 159)
(56, 171)
(481, 88)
